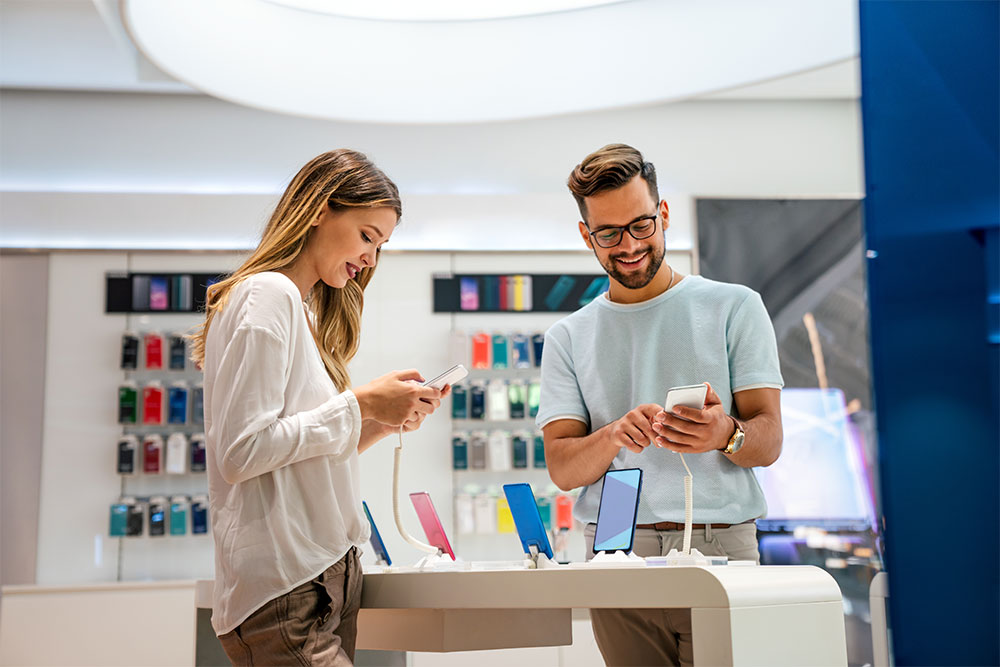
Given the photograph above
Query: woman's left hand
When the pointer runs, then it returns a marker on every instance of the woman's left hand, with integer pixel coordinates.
(414, 423)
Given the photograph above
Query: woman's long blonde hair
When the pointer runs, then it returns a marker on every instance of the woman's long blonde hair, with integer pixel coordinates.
(339, 180)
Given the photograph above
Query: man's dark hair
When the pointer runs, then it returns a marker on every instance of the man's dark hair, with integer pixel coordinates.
(610, 168)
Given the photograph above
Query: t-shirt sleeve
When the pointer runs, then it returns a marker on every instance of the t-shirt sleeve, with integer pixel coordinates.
(248, 400)
(561, 397)
(753, 350)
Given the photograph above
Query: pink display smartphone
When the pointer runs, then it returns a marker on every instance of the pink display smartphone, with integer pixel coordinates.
(431, 523)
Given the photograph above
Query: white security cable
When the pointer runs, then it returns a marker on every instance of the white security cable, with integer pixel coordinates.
(688, 505)
(395, 501)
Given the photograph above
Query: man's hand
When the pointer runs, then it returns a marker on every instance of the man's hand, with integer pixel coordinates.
(634, 430)
(688, 430)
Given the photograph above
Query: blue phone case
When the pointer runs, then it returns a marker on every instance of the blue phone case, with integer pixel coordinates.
(527, 518)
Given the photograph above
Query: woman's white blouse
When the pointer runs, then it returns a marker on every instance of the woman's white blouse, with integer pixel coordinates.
(282, 443)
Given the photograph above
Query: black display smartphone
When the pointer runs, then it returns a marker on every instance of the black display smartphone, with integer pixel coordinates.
(618, 510)
(157, 517)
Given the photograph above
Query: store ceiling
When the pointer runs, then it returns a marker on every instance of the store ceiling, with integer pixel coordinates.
(433, 71)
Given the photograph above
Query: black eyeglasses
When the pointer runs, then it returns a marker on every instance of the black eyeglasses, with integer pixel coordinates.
(609, 237)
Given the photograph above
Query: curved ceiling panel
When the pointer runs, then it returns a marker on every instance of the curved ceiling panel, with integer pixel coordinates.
(268, 55)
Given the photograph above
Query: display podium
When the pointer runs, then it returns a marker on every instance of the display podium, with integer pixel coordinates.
(753, 615)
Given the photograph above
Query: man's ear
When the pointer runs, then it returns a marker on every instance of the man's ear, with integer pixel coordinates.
(665, 214)
(585, 233)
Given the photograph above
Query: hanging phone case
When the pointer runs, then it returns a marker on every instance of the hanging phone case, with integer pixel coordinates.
(153, 349)
(481, 350)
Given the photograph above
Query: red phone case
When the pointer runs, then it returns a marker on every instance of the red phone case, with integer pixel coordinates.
(481, 350)
(154, 351)
(152, 405)
(152, 456)
(504, 301)
(564, 512)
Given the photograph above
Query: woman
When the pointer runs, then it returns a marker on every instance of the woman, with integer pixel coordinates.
(284, 430)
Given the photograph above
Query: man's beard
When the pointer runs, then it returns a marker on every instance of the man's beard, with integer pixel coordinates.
(636, 280)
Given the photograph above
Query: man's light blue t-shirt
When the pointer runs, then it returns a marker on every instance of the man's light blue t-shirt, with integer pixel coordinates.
(608, 358)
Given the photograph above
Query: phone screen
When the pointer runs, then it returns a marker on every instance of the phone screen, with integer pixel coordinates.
(430, 522)
(376, 538)
(527, 518)
(616, 516)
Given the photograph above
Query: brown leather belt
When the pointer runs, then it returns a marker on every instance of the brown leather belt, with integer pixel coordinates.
(673, 525)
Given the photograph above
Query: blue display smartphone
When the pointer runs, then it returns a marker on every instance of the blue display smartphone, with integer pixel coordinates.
(376, 538)
(527, 519)
(617, 513)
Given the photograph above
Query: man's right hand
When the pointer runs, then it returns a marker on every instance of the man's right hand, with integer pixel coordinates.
(634, 430)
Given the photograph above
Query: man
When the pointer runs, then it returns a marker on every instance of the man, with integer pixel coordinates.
(605, 375)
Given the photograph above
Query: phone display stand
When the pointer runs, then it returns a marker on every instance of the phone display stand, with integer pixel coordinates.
(435, 561)
(536, 560)
(616, 559)
(680, 559)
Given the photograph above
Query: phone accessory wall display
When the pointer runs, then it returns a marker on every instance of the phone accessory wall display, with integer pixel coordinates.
(157, 292)
(517, 293)
(498, 450)
(500, 350)
(158, 516)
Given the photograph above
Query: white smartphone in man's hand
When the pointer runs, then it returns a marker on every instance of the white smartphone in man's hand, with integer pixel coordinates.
(690, 396)
(450, 376)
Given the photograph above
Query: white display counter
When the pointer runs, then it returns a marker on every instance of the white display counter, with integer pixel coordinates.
(774, 615)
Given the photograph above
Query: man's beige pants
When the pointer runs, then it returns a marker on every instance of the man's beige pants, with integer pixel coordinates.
(663, 636)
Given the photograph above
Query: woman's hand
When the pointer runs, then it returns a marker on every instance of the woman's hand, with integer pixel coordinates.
(415, 423)
(397, 398)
